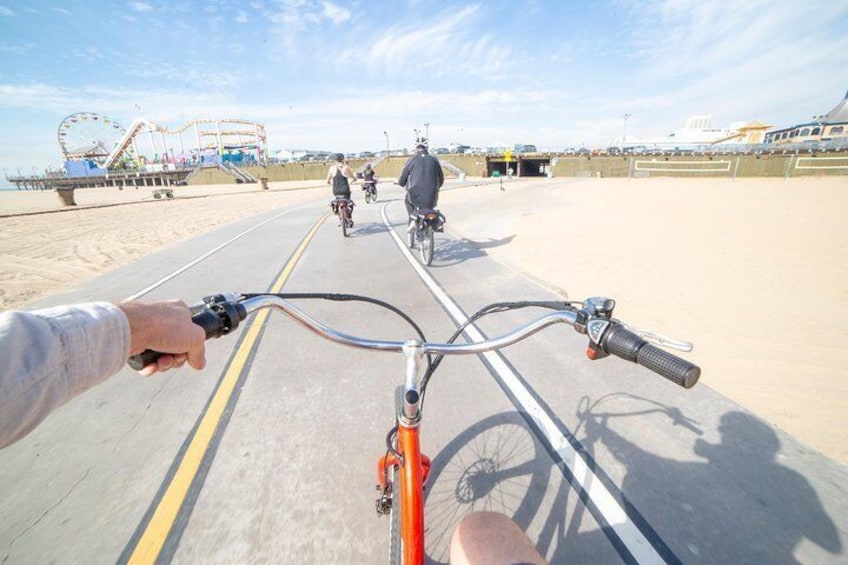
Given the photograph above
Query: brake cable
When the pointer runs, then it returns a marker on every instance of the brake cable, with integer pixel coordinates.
(340, 297)
(495, 308)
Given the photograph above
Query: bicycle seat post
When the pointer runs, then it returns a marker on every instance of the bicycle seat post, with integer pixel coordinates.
(414, 353)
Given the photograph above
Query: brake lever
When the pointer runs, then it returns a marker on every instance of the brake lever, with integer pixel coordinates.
(663, 341)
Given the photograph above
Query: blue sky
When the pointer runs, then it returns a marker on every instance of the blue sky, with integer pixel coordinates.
(337, 74)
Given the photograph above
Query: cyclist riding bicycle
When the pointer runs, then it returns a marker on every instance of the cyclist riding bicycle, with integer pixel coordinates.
(340, 176)
(368, 176)
(422, 176)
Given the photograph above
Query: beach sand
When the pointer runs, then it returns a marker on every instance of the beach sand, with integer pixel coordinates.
(753, 271)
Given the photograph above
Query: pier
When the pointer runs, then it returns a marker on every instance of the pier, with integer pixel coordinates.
(119, 179)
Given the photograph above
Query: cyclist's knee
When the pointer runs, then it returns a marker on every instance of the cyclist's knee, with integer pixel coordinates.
(489, 537)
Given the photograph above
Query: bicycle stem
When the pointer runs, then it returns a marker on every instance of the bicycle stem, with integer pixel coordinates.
(414, 353)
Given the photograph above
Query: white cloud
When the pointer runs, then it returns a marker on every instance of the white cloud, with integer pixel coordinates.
(449, 43)
(241, 17)
(17, 49)
(4, 11)
(336, 13)
(141, 6)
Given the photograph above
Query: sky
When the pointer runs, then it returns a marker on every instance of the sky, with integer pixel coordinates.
(335, 75)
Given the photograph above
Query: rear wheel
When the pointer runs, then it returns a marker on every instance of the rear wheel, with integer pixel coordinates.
(343, 218)
(367, 197)
(427, 245)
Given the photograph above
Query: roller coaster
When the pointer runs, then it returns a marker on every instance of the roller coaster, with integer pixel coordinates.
(90, 136)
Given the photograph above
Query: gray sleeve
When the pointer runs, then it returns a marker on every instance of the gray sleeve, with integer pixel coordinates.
(49, 356)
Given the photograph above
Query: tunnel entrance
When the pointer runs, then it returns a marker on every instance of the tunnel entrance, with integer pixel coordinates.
(524, 167)
(534, 167)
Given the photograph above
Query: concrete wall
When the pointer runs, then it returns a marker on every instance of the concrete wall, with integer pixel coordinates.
(572, 166)
(737, 165)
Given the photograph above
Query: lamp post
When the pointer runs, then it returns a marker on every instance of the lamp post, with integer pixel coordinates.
(387, 143)
(417, 135)
(624, 130)
(427, 133)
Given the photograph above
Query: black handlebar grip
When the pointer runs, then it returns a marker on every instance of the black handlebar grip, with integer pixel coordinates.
(621, 342)
(211, 323)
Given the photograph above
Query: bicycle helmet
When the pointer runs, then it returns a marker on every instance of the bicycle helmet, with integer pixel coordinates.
(368, 167)
(339, 157)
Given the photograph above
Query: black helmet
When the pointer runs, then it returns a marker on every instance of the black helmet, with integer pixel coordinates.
(368, 167)
(339, 157)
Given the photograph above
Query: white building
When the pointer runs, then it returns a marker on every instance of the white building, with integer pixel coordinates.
(699, 132)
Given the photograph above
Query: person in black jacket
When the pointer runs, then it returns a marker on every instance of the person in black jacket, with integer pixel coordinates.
(422, 177)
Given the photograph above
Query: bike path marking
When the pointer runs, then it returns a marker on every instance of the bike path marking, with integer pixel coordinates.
(636, 543)
(206, 255)
(157, 536)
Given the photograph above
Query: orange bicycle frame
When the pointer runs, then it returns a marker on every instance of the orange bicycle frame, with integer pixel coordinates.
(414, 469)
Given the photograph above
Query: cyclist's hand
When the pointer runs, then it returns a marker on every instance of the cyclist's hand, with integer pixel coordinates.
(165, 327)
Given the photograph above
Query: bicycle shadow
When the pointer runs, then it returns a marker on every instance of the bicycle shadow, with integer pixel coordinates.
(495, 464)
(738, 504)
(366, 229)
(489, 242)
(449, 252)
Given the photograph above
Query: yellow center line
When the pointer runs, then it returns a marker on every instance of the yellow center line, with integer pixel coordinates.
(151, 541)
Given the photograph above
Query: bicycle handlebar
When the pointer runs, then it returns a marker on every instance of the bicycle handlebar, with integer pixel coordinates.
(220, 314)
(623, 343)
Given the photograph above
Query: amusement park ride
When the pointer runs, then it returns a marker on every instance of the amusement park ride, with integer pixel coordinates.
(92, 137)
(98, 150)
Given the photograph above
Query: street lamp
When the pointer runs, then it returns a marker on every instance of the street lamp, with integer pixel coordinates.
(387, 143)
(427, 133)
(624, 130)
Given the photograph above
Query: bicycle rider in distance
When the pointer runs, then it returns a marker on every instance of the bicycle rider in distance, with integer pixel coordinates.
(369, 177)
(422, 176)
(340, 176)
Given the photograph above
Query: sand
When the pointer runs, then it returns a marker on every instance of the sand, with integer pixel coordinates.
(752, 271)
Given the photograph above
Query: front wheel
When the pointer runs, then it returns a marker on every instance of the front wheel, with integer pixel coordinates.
(395, 537)
(367, 197)
(343, 217)
(395, 544)
(426, 245)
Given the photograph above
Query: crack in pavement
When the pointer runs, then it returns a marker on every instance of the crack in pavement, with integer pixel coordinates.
(44, 515)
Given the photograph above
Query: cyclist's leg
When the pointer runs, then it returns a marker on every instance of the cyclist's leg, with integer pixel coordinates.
(410, 212)
(349, 209)
(489, 537)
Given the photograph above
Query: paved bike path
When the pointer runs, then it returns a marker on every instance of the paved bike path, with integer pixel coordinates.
(293, 473)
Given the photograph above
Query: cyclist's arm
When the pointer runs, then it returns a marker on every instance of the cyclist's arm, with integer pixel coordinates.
(440, 175)
(404, 174)
(50, 356)
(348, 172)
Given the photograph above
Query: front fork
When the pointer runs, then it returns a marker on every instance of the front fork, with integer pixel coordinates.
(385, 487)
(405, 456)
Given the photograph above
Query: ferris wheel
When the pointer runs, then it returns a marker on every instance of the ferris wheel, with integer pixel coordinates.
(87, 135)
